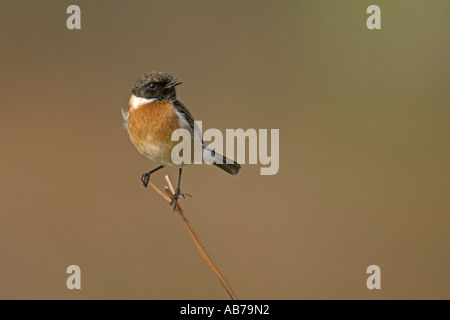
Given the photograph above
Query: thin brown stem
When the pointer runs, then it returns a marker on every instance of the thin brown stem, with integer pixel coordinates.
(169, 198)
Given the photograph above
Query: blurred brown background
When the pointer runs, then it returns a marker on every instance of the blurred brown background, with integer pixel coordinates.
(364, 150)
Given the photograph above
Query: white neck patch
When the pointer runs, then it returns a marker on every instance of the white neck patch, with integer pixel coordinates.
(136, 102)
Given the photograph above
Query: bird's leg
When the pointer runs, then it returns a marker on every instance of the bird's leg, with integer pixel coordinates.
(145, 177)
(178, 194)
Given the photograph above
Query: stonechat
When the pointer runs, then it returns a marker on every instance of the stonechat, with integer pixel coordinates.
(153, 115)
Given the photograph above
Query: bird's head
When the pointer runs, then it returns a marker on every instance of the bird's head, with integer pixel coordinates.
(156, 85)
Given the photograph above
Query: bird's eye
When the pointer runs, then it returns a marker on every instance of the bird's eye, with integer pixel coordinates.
(152, 85)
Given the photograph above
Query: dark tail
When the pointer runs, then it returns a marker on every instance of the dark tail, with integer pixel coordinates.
(230, 166)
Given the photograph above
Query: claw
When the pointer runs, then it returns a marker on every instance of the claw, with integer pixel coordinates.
(145, 179)
(175, 199)
(176, 196)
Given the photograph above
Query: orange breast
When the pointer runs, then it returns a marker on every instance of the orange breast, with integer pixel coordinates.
(153, 124)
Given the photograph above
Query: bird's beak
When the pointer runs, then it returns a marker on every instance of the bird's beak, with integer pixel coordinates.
(173, 83)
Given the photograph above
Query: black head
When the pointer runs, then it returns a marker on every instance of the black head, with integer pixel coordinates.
(156, 85)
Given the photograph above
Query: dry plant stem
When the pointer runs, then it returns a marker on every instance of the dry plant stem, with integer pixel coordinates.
(169, 198)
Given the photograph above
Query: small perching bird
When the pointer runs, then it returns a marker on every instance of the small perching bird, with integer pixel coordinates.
(154, 114)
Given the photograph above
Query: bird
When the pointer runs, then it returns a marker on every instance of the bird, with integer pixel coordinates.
(154, 113)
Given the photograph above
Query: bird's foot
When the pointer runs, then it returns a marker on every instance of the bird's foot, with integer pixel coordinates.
(178, 195)
(145, 178)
